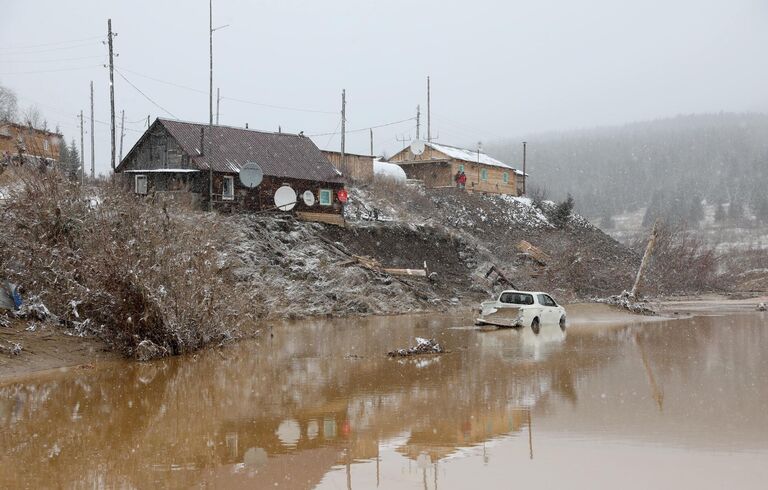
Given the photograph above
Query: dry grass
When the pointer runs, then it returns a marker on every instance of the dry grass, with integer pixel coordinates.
(126, 269)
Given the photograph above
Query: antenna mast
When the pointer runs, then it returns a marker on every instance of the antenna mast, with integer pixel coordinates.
(429, 114)
(418, 121)
(343, 129)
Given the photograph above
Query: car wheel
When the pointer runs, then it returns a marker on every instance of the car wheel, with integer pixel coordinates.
(535, 326)
(562, 323)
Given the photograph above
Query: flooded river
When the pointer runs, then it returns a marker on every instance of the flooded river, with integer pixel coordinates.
(668, 404)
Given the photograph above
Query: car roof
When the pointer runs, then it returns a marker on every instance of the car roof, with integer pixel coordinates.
(523, 292)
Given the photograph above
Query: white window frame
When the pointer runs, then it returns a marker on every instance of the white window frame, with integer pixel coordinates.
(484, 174)
(136, 184)
(231, 195)
(327, 192)
(46, 145)
(505, 177)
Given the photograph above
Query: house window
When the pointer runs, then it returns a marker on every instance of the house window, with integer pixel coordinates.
(228, 188)
(505, 177)
(141, 184)
(484, 175)
(45, 145)
(326, 197)
(461, 168)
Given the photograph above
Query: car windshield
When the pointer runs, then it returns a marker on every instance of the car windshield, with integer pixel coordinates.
(517, 298)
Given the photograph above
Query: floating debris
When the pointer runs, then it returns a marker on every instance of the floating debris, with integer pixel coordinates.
(625, 301)
(762, 307)
(423, 346)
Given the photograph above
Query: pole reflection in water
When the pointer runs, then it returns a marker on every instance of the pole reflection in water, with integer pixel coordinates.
(320, 405)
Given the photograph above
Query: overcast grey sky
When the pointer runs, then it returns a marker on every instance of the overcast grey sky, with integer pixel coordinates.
(498, 68)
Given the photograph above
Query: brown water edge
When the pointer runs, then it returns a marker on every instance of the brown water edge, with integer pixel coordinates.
(49, 349)
(668, 403)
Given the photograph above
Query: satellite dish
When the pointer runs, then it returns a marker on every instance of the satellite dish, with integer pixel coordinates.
(285, 198)
(309, 198)
(251, 175)
(417, 147)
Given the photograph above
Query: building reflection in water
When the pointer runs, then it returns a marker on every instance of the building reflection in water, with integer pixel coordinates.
(322, 397)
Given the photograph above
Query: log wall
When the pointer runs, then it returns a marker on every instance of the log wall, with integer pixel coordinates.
(439, 170)
(356, 167)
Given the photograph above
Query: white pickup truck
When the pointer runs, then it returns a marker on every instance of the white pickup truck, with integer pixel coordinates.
(520, 309)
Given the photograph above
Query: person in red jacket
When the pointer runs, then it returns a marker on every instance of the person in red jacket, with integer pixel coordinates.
(461, 180)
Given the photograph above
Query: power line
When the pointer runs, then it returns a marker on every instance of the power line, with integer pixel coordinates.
(271, 106)
(51, 71)
(56, 43)
(163, 81)
(328, 144)
(48, 50)
(57, 60)
(234, 99)
(145, 95)
(366, 128)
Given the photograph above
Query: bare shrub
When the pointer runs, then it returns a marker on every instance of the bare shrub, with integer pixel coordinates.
(121, 264)
(681, 262)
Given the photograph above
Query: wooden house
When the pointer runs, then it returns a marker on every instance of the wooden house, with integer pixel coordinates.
(20, 144)
(355, 166)
(177, 159)
(439, 164)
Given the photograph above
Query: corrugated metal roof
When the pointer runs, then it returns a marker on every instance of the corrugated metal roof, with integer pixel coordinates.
(467, 155)
(227, 149)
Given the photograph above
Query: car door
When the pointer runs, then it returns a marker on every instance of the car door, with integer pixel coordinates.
(544, 313)
(554, 309)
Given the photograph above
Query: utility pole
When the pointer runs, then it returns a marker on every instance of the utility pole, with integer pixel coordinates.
(82, 150)
(525, 175)
(93, 140)
(210, 99)
(429, 114)
(418, 121)
(218, 104)
(371, 141)
(147, 121)
(210, 72)
(122, 133)
(343, 129)
(110, 35)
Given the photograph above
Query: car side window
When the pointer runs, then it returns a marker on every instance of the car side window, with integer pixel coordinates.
(542, 300)
(552, 302)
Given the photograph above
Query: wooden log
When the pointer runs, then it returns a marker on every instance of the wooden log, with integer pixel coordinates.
(406, 272)
(646, 258)
(534, 253)
(327, 218)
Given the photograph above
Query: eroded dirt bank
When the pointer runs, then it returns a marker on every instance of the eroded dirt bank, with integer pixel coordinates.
(148, 279)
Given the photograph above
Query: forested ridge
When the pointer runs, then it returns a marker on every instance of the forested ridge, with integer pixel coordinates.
(669, 165)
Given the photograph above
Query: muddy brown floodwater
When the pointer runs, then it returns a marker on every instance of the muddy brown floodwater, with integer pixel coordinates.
(610, 404)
